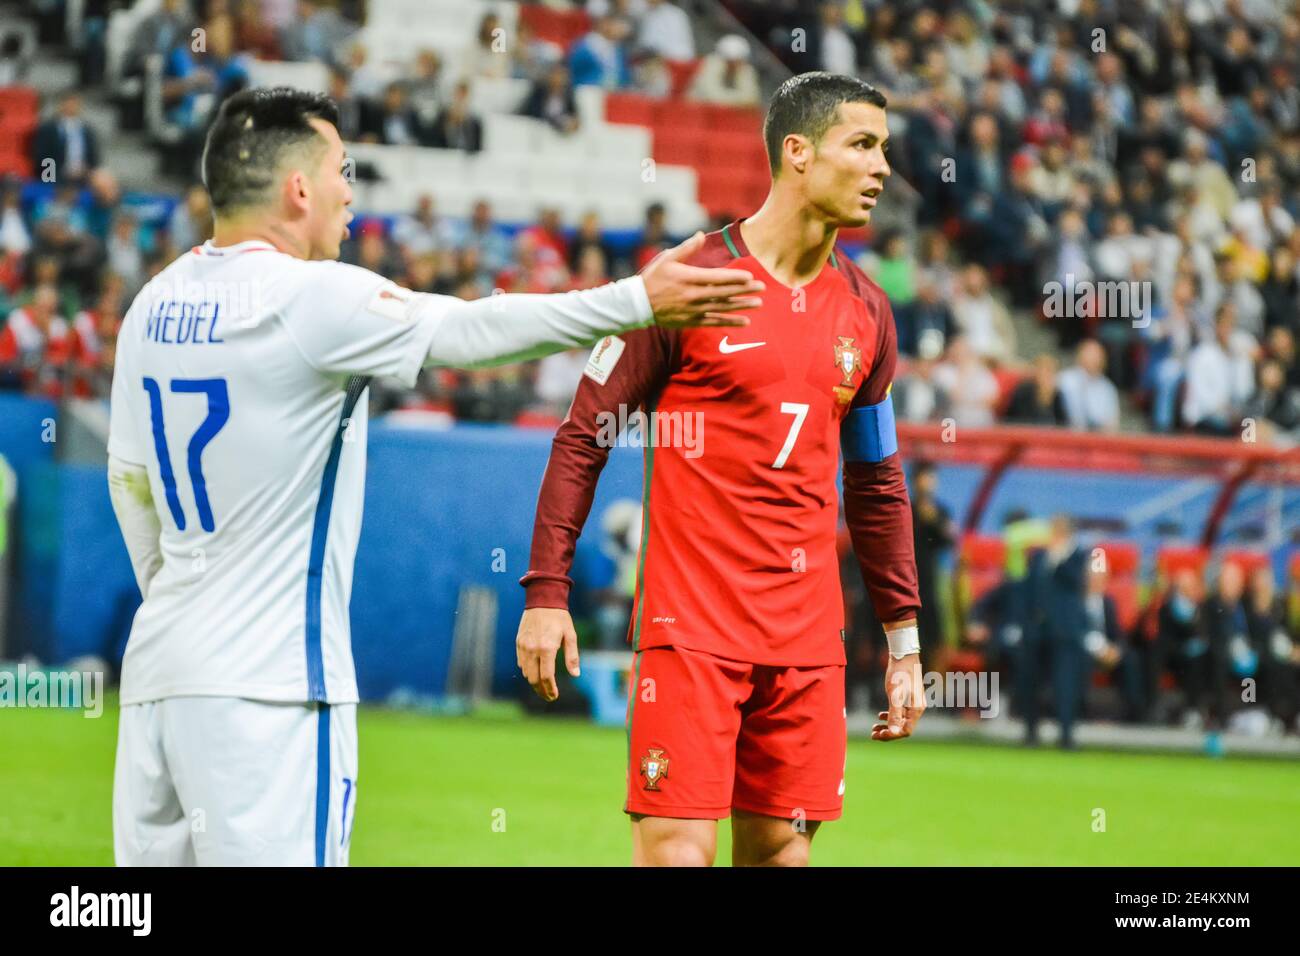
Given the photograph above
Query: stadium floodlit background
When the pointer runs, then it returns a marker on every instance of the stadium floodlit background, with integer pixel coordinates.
(1043, 152)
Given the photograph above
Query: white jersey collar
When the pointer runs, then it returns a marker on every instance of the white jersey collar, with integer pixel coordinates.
(251, 245)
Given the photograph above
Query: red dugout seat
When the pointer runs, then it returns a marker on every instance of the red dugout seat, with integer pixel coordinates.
(1174, 558)
(1248, 561)
(1122, 558)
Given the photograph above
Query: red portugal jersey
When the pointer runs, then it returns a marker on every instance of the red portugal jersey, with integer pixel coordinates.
(743, 432)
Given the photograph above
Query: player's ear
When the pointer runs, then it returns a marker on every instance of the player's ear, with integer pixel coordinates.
(798, 151)
(296, 191)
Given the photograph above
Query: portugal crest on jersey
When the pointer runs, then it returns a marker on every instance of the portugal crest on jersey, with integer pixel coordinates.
(654, 767)
(848, 359)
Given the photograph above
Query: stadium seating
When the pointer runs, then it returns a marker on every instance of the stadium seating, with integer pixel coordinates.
(630, 108)
(1247, 561)
(561, 27)
(19, 101)
(723, 144)
(682, 73)
(397, 30)
(1122, 558)
(19, 114)
(526, 166)
(1123, 562)
(1172, 559)
(304, 76)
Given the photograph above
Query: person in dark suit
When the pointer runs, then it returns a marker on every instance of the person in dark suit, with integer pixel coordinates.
(1002, 619)
(552, 99)
(1037, 400)
(1209, 660)
(930, 140)
(1057, 622)
(68, 140)
(933, 534)
(352, 111)
(1279, 657)
(925, 324)
(455, 126)
(1177, 624)
(983, 156)
(995, 625)
(1108, 647)
(393, 121)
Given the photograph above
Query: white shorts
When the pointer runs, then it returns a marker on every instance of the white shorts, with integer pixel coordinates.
(222, 781)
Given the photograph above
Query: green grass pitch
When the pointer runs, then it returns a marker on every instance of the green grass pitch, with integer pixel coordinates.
(432, 788)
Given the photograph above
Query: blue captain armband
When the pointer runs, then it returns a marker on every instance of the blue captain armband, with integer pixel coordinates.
(868, 434)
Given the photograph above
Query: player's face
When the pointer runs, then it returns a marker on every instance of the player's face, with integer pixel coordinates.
(328, 216)
(848, 168)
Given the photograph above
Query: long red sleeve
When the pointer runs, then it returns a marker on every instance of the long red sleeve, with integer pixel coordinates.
(876, 505)
(578, 455)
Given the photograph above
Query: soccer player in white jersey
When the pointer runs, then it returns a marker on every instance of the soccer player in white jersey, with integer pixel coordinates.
(237, 454)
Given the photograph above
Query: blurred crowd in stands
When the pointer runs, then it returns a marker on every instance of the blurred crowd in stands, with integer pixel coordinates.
(1061, 147)
(71, 263)
(72, 259)
(1127, 174)
(630, 47)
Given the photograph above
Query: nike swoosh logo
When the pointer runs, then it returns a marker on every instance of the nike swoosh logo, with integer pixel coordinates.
(726, 348)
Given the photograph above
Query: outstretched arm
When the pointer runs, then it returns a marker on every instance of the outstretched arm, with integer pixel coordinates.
(517, 327)
(501, 329)
(350, 321)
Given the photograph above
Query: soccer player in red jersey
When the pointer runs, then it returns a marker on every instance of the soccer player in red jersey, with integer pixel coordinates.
(736, 703)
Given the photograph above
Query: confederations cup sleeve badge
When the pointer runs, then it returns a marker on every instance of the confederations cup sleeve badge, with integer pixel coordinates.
(848, 359)
(654, 767)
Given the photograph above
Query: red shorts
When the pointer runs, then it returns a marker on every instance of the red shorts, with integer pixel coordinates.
(707, 736)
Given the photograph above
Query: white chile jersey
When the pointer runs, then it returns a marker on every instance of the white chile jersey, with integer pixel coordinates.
(240, 384)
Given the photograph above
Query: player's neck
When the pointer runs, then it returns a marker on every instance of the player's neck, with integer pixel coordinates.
(233, 231)
(790, 242)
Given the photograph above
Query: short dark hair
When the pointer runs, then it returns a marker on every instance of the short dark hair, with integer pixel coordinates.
(808, 104)
(251, 133)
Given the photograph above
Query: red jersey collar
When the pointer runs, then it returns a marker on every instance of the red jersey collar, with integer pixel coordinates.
(731, 236)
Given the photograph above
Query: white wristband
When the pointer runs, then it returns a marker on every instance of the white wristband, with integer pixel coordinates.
(903, 641)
